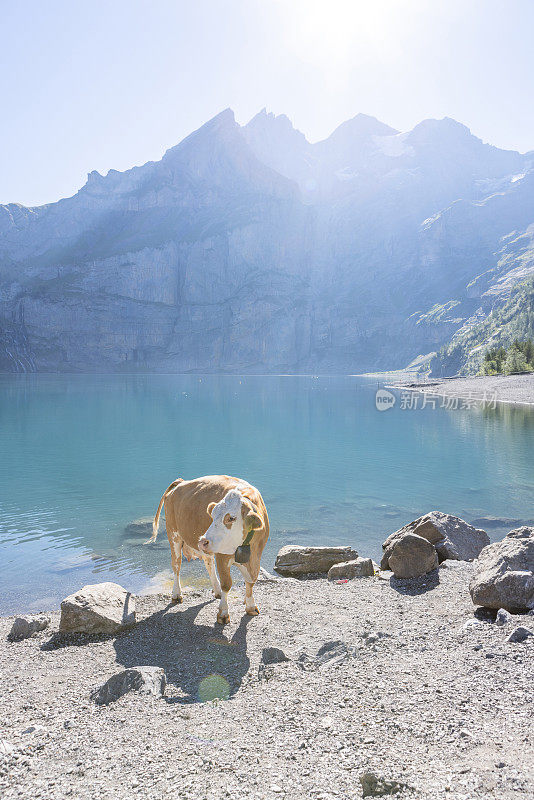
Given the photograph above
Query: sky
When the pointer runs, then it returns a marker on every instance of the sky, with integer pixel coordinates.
(100, 84)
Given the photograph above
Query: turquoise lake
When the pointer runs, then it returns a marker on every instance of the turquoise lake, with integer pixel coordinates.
(83, 456)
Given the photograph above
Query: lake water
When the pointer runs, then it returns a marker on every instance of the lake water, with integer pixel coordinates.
(84, 456)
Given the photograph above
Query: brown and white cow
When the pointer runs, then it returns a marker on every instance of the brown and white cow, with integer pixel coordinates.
(211, 518)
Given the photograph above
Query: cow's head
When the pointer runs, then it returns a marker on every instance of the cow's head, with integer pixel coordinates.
(232, 519)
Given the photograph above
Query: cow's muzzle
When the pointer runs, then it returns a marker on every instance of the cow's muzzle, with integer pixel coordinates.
(204, 545)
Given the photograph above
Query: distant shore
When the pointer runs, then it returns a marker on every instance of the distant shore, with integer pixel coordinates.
(512, 389)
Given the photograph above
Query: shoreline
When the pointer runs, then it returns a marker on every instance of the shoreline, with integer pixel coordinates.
(401, 679)
(502, 389)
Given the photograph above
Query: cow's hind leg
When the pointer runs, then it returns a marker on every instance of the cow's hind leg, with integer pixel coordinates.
(250, 604)
(209, 562)
(176, 560)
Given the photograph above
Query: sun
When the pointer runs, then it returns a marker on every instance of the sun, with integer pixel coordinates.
(342, 31)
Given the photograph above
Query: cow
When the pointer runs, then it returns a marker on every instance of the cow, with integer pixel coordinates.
(222, 520)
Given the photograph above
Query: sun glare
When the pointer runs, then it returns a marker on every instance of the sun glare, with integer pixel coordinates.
(341, 31)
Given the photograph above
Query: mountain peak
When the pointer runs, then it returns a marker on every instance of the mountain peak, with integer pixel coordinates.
(278, 144)
(226, 117)
(222, 123)
(271, 124)
(360, 127)
(440, 130)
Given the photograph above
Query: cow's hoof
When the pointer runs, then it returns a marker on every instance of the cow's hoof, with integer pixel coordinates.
(217, 596)
(253, 612)
(176, 600)
(223, 619)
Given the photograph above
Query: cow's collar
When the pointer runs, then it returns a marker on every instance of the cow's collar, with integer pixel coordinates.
(248, 538)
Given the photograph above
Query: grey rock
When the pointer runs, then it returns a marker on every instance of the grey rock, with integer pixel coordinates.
(6, 749)
(503, 617)
(503, 575)
(334, 652)
(371, 638)
(98, 608)
(451, 536)
(145, 680)
(357, 568)
(34, 729)
(519, 634)
(273, 655)
(496, 522)
(141, 527)
(299, 560)
(472, 624)
(24, 627)
(411, 556)
(373, 786)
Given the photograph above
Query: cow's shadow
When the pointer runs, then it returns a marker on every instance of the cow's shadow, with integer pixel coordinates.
(202, 662)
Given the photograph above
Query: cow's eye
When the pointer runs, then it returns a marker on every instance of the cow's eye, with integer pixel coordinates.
(231, 519)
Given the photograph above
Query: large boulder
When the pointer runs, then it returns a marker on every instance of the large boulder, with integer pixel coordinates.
(145, 680)
(451, 536)
(97, 608)
(412, 556)
(504, 573)
(294, 559)
(357, 568)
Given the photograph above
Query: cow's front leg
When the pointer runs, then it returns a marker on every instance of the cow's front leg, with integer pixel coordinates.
(223, 568)
(209, 563)
(250, 604)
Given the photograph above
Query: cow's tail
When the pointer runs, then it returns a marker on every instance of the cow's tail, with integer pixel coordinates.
(155, 523)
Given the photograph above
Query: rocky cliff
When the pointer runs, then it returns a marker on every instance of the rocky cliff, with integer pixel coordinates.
(251, 249)
(510, 318)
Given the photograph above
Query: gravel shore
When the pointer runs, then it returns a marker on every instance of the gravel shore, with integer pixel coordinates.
(396, 678)
(516, 389)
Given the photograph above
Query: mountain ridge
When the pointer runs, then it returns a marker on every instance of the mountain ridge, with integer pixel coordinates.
(250, 248)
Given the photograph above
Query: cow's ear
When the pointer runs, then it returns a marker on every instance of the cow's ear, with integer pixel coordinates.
(251, 520)
(210, 508)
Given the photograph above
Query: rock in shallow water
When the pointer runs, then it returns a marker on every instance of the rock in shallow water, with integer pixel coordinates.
(145, 680)
(98, 608)
(142, 527)
(503, 576)
(297, 560)
(24, 627)
(357, 568)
